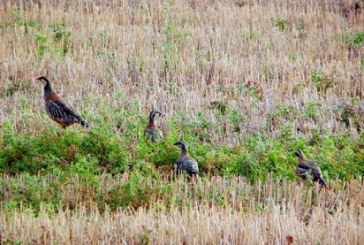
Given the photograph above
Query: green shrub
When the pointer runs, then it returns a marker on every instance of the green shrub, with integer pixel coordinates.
(102, 149)
(280, 23)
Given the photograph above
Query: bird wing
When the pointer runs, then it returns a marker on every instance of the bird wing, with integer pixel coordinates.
(306, 167)
(302, 171)
(190, 165)
(60, 110)
(316, 171)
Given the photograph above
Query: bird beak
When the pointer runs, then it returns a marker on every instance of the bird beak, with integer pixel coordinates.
(159, 113)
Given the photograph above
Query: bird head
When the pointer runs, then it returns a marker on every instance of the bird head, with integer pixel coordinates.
(153, 113)
(299, 153)
(43, 79)
(180, 144)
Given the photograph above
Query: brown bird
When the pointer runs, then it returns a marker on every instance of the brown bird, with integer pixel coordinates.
(185, 163)
(306, 167)
(57, 109)
(152, 130)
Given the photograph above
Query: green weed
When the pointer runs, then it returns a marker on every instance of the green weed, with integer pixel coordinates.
(322, 82)
(280, 23)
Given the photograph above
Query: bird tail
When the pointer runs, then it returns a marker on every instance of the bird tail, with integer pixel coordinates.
(322, 182)
(84, 123)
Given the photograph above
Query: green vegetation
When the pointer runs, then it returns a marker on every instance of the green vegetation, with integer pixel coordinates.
(59, 44)
(353, 38)
(103, 150)
(280, 23)
(322, 82)
(47, 160)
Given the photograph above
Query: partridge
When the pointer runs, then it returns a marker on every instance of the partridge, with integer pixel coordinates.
(58, 110)
(185, 163)
(305, 168)
(152, 130)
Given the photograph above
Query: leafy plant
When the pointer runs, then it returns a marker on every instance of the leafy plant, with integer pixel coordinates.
(41, 40)
(236, 118)
(311, 109)
(322, 82)
(61, 37)
(20, 20)
(358, 37)
(280, 23)
(353, 38)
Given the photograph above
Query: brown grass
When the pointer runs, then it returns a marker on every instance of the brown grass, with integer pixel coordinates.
(241, 213)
